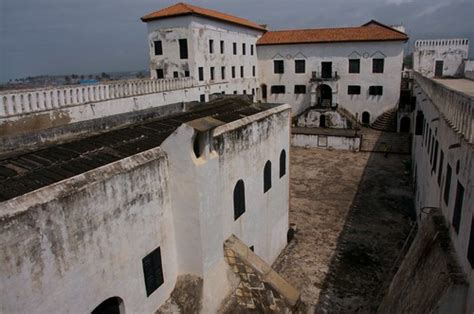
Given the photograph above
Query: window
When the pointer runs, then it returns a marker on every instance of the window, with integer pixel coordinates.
(244, 92)
(202, 98)
(242, 71)
(183, 48)
(419, 123)
(235, 92)
(212, 73)
(233, 72)
(353, 90)
(159, 73)
(435, 160)
(239, 199)
(440, 169)
(234, 46)
(278, 89)
(267, 176)
(186, 73)
(109, 306)
(354, 65)
(158, 48)
(211, 46)
(278, 66)
(201, 73)
(251, 50)
(300, 89)
(458, 207)
(377, 65)
(282, 163)
(253, 71)
(243, 49)
(447, 184)
(300, 66)
(152, 271)
(432, 149)
(175, 74)
(222, 46)
(223, 73)
(375, 90)
(470, 249)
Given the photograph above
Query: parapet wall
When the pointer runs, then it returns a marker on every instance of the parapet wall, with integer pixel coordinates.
(456, 108)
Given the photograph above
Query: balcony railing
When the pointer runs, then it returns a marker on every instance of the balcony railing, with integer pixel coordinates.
(321, 76)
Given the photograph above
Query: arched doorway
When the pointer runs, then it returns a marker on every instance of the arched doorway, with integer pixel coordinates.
(405, 125)
(322, 121)
(365, 117)
(264, 92)
(112, 305)
(323, 96)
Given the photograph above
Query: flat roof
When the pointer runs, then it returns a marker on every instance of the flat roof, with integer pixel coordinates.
(29, 171)
(461, 85)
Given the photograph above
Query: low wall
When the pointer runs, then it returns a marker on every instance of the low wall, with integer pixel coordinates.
(429, 279)
(337, 142)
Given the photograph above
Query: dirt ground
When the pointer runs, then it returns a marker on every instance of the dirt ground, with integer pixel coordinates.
(352, 216)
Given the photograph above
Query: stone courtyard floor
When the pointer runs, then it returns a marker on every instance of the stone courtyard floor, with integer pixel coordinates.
(352, 216)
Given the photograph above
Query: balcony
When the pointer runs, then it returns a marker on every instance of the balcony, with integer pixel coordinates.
(324, 76)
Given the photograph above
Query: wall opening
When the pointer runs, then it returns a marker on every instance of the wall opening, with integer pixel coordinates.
(322, 121)
(112, 305)
(458, 207)
(365, 117)
(439, 68)
(267, 176)
(264, 92)
(419, 123)
(153, 271)
(405, 125)
(239, 199)
(199, 143)
(282, 163)
(323, 96)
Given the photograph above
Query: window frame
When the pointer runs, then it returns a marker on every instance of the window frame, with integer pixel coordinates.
(376, 90)
(351, 70)
(298, 90)
(378, 67)
(183, 49)
(278, 65)
(298, 69)
(274, 87)
(160, 46)
(350, 90)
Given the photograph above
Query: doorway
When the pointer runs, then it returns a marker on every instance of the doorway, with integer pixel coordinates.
(439, 68)
(405, 125)
(324, 96)
(365, 118)
(264, 92)
(322, 121)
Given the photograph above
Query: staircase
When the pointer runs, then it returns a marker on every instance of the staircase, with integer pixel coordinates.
(387, 121)
(378, 141)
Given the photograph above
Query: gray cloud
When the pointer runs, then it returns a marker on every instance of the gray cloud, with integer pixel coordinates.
(69, 36)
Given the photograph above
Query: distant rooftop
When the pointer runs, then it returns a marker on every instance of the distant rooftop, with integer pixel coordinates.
(181, 9)
(371, 31)
(461, 85)
(30, 171)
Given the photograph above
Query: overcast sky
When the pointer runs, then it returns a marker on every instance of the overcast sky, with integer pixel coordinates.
(92, 36)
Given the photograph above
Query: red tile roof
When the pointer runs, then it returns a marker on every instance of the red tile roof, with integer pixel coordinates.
(181, 9)
(371, 31)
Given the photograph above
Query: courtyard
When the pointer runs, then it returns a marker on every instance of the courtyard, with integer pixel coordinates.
(352, 214)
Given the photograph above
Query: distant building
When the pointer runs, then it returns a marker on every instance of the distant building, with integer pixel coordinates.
(440, 57)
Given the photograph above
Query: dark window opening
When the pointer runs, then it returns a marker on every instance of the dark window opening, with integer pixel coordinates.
(377, 65)
(212, 73)
(186, 73)
(300, 89)
(267, 176)
(159, 73)
(158, 48)
(278, 67)
(326, 69)
(199, 141)
(365, 117)
(235, 92)
(239, 199)
(322, 121)
(175, 74)
(202, 97)
(201, 73)
(440, 169)
(252, 248)
(233, 72)
(439, 68)
(375, 90)
(470, 249)
(278, 89)
(234, 46)
(447, 185)
(241, 71)
(354, 65)
(458, 207)
(253, 71)
(223, 73)
(222, 46)
(353, 90)
(432, 150)
(419, 123)
(244, 92)
(211, 46)
(251, 50)
(435, 160)
(300, 66)
(183, 48)
(152, 271)
(405, 125)
(109, 306)
(282, 163)
(264, 91)
(243, 49)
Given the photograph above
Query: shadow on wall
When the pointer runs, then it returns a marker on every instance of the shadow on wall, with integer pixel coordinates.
(372, 243)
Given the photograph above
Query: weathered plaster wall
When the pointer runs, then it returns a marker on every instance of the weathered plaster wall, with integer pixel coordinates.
(456, 150)
(71, 245)
(339, 54)
(452, 52)
(234, 151)
(325, 141)
(469, 69)
(312, 119)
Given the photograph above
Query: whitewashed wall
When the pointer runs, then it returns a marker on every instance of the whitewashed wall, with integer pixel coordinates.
(452, 52)
(339, 54)
(428, 191)
(69, 246)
